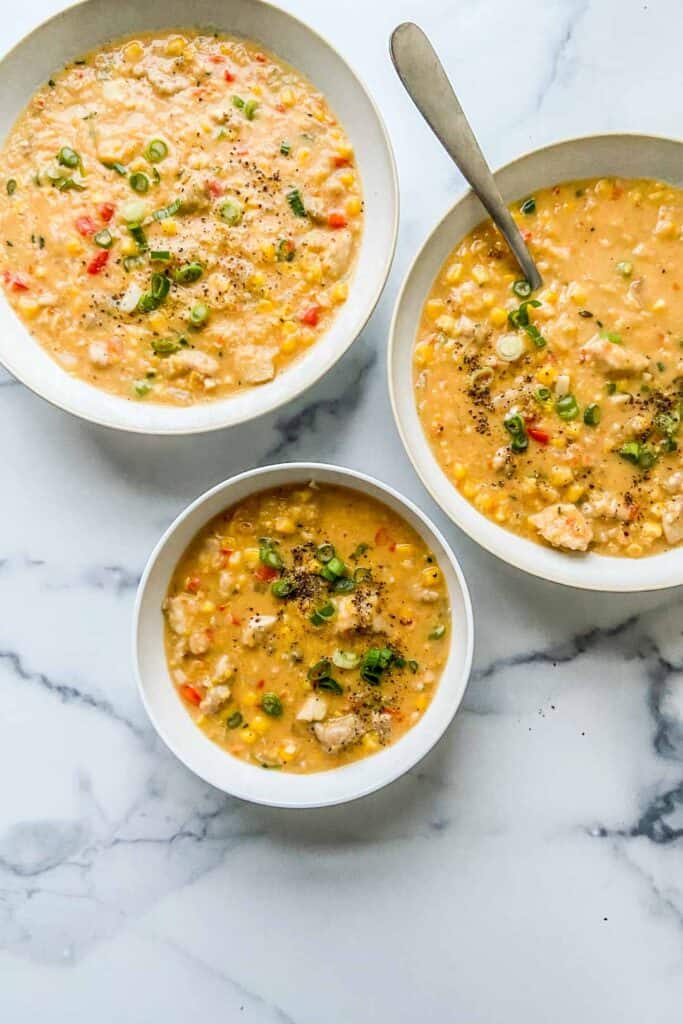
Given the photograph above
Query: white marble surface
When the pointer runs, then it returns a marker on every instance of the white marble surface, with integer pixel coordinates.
(530, 869)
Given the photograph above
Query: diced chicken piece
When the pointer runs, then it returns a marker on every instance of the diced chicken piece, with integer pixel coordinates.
(674, 483)
(425, 594)
(223, 670)
(180, 610)
(358, 611)
(612, 358)
(338, 255)
(104, 353)
(256, 628)
(216, 698)
(192, 359)
(381, 723)
(672, 520)
(564, 526)
(165, 84)
(199, 642)
(313, 709)
(255, 365)
(338, 733)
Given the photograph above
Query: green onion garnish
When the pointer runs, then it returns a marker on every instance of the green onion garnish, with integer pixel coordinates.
(642, 455)
(160, 255)
(285, 251)
(272, 705)
(188, 273)
(437, 632)
(528, 206)
(11, 186)
(325, 553)
(346, 659)
(285, 148)
(374, 662)
(235, 720)
(104, 239)
(68, 157)
(612, 336)
(329, 685)
(268, 555)
(591, 415)
(115, 166)
(321, 615)
(141, 388)
(156, 150)
(139, 182)
(515, 427)
(522, 289)
(542, 394)
(199, 314)
(68, 185)
(231, 212)
(296, 203)
(138, 234)
(567, 407)
(344, 585)
(238, 102)
(166, 346)
(167, 211)
(250, 108)
(283, 587)
(359, 551)
(625, 268)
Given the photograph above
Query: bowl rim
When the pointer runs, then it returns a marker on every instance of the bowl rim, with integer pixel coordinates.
(461, 670)
(485, 538)
(225, 421)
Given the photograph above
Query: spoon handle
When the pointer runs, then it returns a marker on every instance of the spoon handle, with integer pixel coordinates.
(426, 82)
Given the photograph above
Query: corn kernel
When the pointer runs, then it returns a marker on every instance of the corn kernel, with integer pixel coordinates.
(652, 530)
(424, 354)
(572, 430)
(74, 247)
(577, 293)
(133, 52)
(574, 492)
(459, 471)
(347, 179)
(561, 475)
(313, 272)
(287, 97)
(558, 442)
(288, 345)
(251, 556)
(268, 251)
(634, 550)
(257, 280)
(248, 736)
(158, 322)
(404, 550)
(498, 316)
(469, 489)
(29, 307)
(260, 724)
(446, 324)
(285, 525)
(480, 274)
(287, 753)
(549, 296)
(344, 151)
(434, 308)
(303, 155)
(208, 607)
(484, 502)
(431, 575)
(169, 226)
(454, 273)
(659, 305)
(603, 187)
(250, 699)
(175, 47)
(339, 292)
(353, 206)
(546, 375)
(370, 741)
(421, 701)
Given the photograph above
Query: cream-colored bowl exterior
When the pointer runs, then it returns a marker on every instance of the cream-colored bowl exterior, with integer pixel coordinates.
(95, 22)
(630, 156)
(210, 762)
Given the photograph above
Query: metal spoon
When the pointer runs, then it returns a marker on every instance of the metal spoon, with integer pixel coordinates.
(427, 84)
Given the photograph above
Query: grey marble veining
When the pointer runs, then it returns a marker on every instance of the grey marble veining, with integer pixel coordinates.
(530, 868)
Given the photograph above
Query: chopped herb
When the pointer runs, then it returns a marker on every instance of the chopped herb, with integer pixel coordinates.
(285, 148)
(156, 151)
(591, 415)
(528, 206)
(141, 388)
(139, 182)
(188, 273)
(167, 211)
(11, 186)
(296, 203)
(235, 720)
(119, 168)
(104, 239)
(522, 289)
(238, 102)
(231, 212)
(567, 407)
(272, 705)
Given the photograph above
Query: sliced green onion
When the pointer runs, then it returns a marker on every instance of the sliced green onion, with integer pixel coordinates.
(642, 455)
(188, 273)
(68, 185)
(139, 235)
(359, 551)
(542, 394)
(156, 151)
(509, 347)
(231, 212)
(322, 615)
(268, 555)
(528, 206)
(104, 239)
(238, 102)
(344, 585)
(522, 289)
(250, 108)
(612, 336)
(296, 203)
(283, 587)
(320, 670)
(165, 346)
(625, 268)
(567, 407)
(361, 575)
(139, 182)
(329, 685)
(591, 415)
(346, 660)
(325, 553)
(115, 166)
(285, 251)
(11, 186)
(141, 388)
(199, 314)
(285, 148)
(167, 211)
(272, 705)
(374, 662)
(437, 632)
(336, 566)
(235, 720)
(160, 255)
(68, 157)
(129, 262)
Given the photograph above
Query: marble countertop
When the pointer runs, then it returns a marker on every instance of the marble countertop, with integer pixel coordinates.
(530, 868)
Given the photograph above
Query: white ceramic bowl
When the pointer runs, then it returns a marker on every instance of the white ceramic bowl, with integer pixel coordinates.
(95, 22)
(230, 774)
(630, 156)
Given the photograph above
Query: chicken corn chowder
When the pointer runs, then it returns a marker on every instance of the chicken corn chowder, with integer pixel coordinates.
(558, 414)
(306, 628)
(179, 215)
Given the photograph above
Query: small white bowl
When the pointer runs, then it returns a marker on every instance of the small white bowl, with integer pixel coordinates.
(95, 22)
(209, 761)
(629, 156)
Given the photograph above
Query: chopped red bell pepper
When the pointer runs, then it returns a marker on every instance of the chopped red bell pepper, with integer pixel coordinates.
(106, 211)
(215, 188)
(191, 695)
(99, 262)
(85, 226)
(383, 538)
(265, 574)
(337, 220)
(341, 161)
(192, 584)
(17, 282)
(538, 435)
(228, 76)
(311, 316)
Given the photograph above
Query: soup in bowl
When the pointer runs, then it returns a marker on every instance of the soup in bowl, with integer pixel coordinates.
(556, 413)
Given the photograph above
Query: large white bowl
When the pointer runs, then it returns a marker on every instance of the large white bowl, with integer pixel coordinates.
(630, 156)
(95, 22)
(230, 774)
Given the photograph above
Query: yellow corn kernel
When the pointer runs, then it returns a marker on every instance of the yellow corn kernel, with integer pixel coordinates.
(169, 226)
(257, 280)
(501, 515)
(268, 251)
(561, 475)
(546, 375)
(480, 274)
(289, 345)
(265, 305)
(548, 296)
(603, 187)
(303, 155)
(652, 530)
(287, 97)
(421, 701)
(577, 293)
(313, 272)
(175, 47)
(434, 308)
(248, 736)
(208, 607)
(370, 741)
(459, 471)
(446, 324)
(353, 206)
(289, 327)
(431, 575)
(29, 307)
(287, 753)
(484, 502)
(75, 248)
(424, 354)
(285, 525)
(251, 556)
(469, 489)
(260, 724)
(574, 492)
(339, 292)
(657, 510)
(133, 52)
(206, 127)
(634, 550)
(158, 322)
(250, 699)
(572, 430)
(659, 305)
(529, 485)
(256, 89)
(344, 151)
(304, 495)
(404, 550)
(487, 300)
(454, 273)
(498, 316)
(558, 442)
(347, 179)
